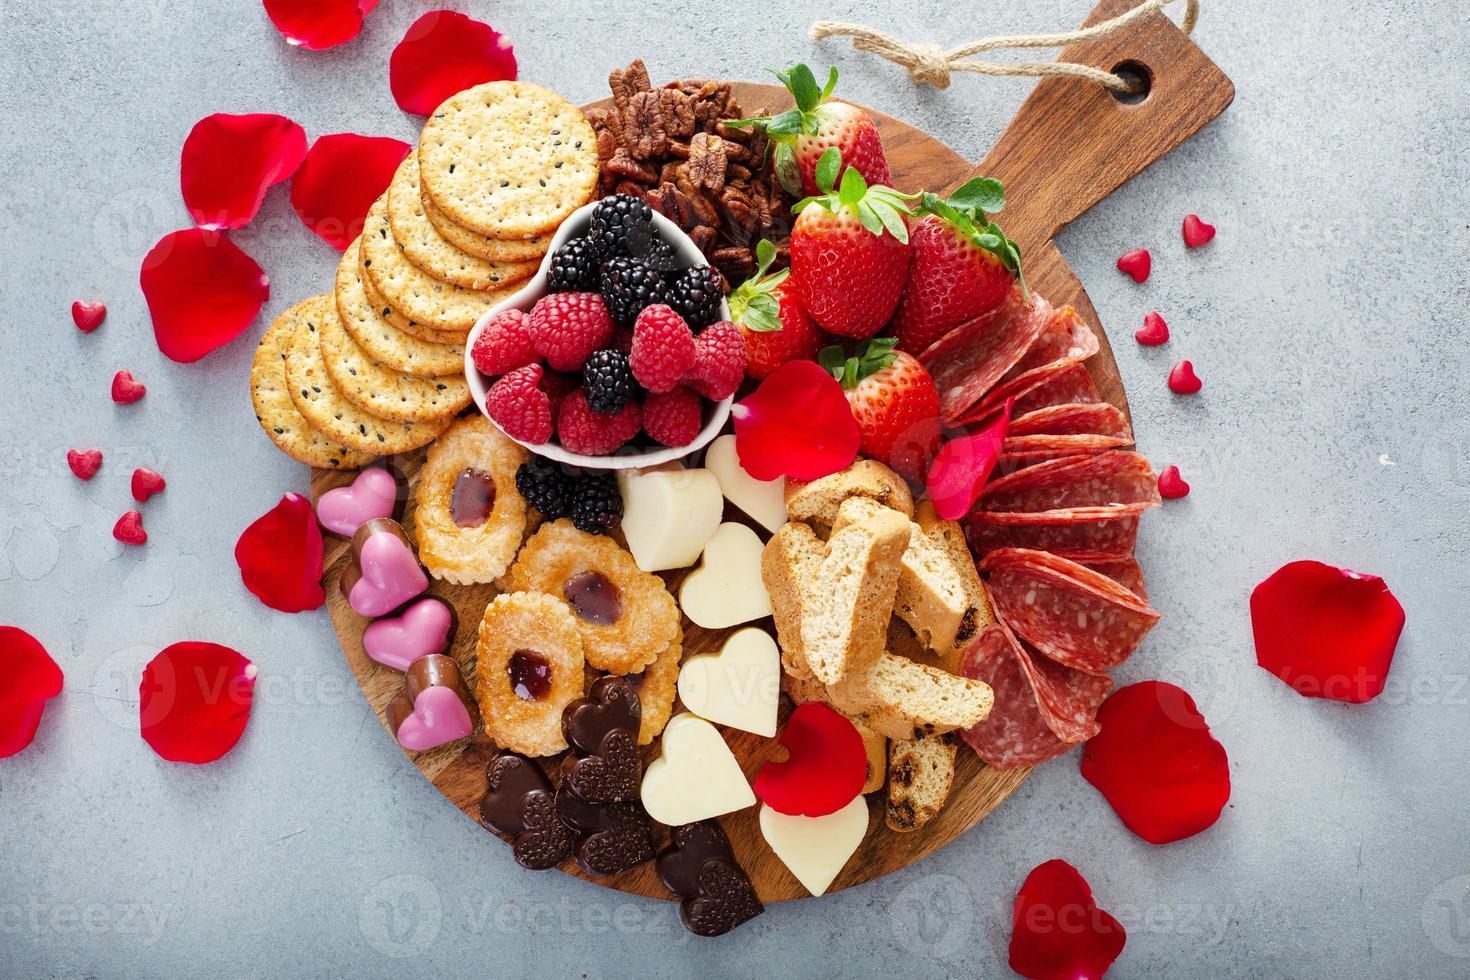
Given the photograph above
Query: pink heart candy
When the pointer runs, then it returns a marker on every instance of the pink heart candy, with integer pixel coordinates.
(390, 576)
(348, 508)
(439, 717)
(421, 630)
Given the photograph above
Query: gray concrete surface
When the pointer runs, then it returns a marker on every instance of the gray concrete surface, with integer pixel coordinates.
(1327, 319)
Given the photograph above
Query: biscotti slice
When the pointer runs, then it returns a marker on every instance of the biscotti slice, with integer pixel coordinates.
(790, 562)
(950, 537)
(920, 773)
(801, 690)
(844, 615)
(901, 699)
(817, 501)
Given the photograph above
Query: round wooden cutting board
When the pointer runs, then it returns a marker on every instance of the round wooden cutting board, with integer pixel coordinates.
(917, 160)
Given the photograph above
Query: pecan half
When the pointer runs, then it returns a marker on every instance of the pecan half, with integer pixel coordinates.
(707, 161)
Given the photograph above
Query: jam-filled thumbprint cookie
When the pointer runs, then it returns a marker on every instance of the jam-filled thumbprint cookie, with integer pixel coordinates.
(470, 518)
(530, 666)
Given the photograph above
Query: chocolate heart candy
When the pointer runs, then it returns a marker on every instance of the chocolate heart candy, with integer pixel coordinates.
(610, 775)
(690, 846)
(611, 703)
(625, 842)
(545, 842)
(725, 900)
(518, 803)
(383, 574)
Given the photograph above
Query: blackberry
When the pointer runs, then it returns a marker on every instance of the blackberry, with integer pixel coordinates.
(547, 486)
(621, 225)
(596, 504)
(574, 268)
(660, 255)
(608, 381)
(629, 285)
(696, 293)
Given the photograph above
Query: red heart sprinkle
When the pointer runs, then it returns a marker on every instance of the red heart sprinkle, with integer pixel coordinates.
(88, 316)
(129, 529)
(230, 161)
(1196, 232)
(1182, 379)
(318, 24)
(826, 768)
(1136, 263)
(1155, 331)
(125, 390)
(339, 180)
(146, 483)
(84, 463)
(202, 292)
(442, 53)
(28, 679)
(194, 701)
(1057, 930)
(280, 556)
(1171, 484)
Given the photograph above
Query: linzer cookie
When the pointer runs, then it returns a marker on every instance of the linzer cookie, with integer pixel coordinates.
(274, 408)
(383, 391)
(530, 666)
(434, 707)
(699, 866)
(492, 249)
(508, 159)
(379, 338)
(470, 518)
(519, 804)
(383, 573)
(603, 729)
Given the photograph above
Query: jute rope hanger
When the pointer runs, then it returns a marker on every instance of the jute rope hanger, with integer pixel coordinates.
(929, 64)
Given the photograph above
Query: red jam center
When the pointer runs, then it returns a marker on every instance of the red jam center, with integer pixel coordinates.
(530, 675)
(593, 598)
(473, 499)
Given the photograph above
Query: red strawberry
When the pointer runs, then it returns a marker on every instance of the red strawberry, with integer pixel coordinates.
(816, 125)
(850, 252)
(963, 265)
(775, 327)
(894, 402)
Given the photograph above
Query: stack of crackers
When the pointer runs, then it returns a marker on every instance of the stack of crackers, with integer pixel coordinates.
(376, 367)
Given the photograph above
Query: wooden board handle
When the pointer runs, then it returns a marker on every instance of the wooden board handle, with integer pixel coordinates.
(1073, 142)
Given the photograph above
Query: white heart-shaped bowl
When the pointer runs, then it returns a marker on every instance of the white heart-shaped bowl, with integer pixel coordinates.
(716, 413)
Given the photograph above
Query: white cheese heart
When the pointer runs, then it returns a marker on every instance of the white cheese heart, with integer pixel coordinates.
(669, 514)
(726, 589)
(696, 777)
(816, 848)
(762, 500)
(740, 686)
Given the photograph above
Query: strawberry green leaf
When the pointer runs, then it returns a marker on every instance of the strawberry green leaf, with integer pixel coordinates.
(765, 254)
(892, 219)
(783, 159)
(868, 215)
(853, 186)
(985, 194)
(832, 359)
(763, 314)
(803, 85)
(828, 166)
(831, 84)
(787, 123)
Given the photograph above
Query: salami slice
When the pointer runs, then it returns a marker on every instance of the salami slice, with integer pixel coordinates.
(1104, 487)
(967, 362)
(1077, 616)
(1041, 708)
(1083, 541)
(1072, 385)
(1027, 449)
(1065, 341)
(1126, 572)
(1073, 418)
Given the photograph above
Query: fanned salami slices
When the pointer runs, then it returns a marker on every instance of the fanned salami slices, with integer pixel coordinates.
(1126, 572)
(1072, 418)
(1075, 615)
(1041, 708)
(1064, 341)
(1087, 541)
(1023, 450)
(1072, 385)
(968, 361)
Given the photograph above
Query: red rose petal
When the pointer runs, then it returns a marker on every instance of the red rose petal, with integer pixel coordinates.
(84, 463)
(962, 466)
(1183, 380)
(1328, 632)
(796, 424)
(1136, 263)
(443, 53)
(1171, 484)
(146, 483)
(280, 556)
(194, 701)
(341, 177)
(28, 679)
(318, 24)
(1155, 331)
(1156, 762)
(129, 529)
(125, 389)
(1057, 930)
(1196, 232)
(230, 161)
(826, 768)
(88, 316)
(202, 292)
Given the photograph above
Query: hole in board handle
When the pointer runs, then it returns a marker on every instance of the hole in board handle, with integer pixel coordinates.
(1137, 74)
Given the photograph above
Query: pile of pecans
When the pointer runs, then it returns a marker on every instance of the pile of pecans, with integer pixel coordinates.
(673, 147)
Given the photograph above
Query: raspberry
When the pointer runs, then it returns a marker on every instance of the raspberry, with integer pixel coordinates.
(673, 418)
(719, 361)
(566, 327)
(663, 348)
(557, 386)
(547, 486)
(597, 505)
(519, 406)
(584, 431)
(608, 381)
(504, 344)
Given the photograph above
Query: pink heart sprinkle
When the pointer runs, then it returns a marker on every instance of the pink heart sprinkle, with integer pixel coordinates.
(439, 717)
(1155, 331)
(88, 316)
(1182, 379)
(84, 463)
(125, 390)
(345, 509)
(1171, 484)
(399, 641)
(1136, 263)
(1196, 232)
(390, 577)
